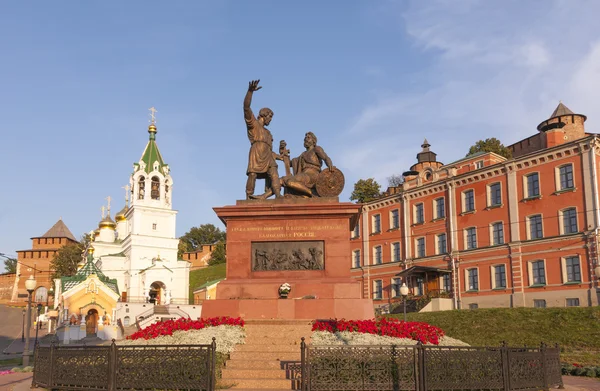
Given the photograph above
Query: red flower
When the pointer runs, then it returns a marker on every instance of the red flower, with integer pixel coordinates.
(183, 324)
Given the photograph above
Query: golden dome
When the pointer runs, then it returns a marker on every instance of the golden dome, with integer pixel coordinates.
(121, 215)
(97, 232)
(107, 222)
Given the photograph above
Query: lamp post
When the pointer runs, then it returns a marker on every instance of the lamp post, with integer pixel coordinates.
(37, 325)
(23, 330)
(404, 293)
(30, 285)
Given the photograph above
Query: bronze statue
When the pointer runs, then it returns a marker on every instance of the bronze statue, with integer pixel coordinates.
(261, 159)
(307, 168)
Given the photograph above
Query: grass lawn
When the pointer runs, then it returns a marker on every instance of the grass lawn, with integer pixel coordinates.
(576, 330)
(201, 276)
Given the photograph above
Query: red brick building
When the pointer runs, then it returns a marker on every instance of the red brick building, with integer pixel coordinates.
(487, 231)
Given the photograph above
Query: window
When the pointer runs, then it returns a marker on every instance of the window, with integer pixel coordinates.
(441, 244)
(573, 302)
(569, 219)
(478, 164)
(500, 276)
(155, 188)
(440, 208)
(356, 258)
(395, 252)
(41, 294)
(473, 281)
(141, 187)
(471, 236)
(469, 201)
(376, 224)
(356, 232)
(419, 214)
(566, 177)
(446, 283)
(535, 227)
(420, 247)
(533, 185)
(495, 194)
(394, 220)
(420, 286)
(539, 303)
(473, 306)
(126, 321)
(377, 289)
(396, 284)
(154, 226)
(538, 273)
(573, 267)
(497, 233)
(377, 255)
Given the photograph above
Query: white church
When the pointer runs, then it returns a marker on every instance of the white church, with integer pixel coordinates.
(138, 250)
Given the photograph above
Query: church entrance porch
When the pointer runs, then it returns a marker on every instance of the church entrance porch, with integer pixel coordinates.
(157, 293)
(91, 322)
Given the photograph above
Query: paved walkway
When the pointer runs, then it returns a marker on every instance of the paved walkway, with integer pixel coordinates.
(579, 383)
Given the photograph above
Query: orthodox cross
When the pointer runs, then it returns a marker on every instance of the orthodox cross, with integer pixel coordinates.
(108, 208)
(126, 187)
(103, 211)
(153, 112)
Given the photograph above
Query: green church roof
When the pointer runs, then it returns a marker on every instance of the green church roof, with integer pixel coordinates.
(82, 274)
(151, 153)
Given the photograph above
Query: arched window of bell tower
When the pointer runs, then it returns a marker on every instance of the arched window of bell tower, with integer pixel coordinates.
(141, 187)
(155, 189)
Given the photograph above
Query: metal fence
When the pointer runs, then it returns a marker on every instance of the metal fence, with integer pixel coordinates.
(147, 367)
(423, 368)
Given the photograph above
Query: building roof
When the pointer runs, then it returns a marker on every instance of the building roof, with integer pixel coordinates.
(561, 109)
(82, 274)
(152, 154)
(59, 230)
(207, 284)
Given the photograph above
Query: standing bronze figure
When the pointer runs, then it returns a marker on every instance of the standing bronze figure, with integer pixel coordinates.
(261, 159)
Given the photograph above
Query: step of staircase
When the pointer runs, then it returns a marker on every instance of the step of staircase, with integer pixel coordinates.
(261, 384)
(268, 348)
(258, 364)
(286, 356)
(253, 373)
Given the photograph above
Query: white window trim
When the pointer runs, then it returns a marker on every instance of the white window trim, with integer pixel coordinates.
(375, 254)
(561, 221)
(525, 187)
(392, 292)
(493, 274)
(437, 242)
(415, 206)
(563, 269)
(373, 223)
(435, 210)
(466, 239)
(557, 176)
(476, 164)
(354, 257)
(467, 287)
(392, 252)
(530, 271)
(488, 193)
(417, 247)
(464, 201)
(392, 218)
(528, 225)
(353, 234)
(375, 290)
(491, 229)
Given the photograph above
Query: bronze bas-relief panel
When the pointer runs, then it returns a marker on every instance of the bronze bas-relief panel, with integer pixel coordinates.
(274, 256)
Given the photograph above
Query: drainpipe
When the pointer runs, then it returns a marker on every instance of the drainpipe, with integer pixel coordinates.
(596, 205)
(454, 276)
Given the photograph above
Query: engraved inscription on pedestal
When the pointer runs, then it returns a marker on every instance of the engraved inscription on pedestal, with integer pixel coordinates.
(268, 256)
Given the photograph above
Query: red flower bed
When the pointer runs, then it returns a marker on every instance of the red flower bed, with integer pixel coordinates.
(170, 326)
(417, 331)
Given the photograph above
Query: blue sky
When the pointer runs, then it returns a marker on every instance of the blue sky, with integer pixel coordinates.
(370, 78)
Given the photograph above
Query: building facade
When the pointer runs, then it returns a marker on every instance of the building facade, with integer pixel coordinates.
(488, 231)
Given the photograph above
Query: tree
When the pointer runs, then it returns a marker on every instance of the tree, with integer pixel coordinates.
(197, 236)
(490, 145)
(395, 180)
(218, 255)
(10, 265)
(365, 190)
(68, 257)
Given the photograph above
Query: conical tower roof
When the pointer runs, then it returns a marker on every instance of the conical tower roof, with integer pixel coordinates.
(151, 153)
(560, 111)
(58, 230)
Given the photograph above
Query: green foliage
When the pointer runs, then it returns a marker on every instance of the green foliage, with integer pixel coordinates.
(201, 276)
(218, 255)
(10, 265)
(68, 257)
(365, 190)
(576, 330)
(197, 236)
(490, 145)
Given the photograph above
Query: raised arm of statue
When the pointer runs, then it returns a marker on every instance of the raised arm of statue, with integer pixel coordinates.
(252, 86)
(323, 156)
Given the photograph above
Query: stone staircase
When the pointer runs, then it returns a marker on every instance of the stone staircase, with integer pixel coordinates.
(270, 358)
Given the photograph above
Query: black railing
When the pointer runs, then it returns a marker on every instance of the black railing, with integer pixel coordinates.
(125, 367)
(424, 368)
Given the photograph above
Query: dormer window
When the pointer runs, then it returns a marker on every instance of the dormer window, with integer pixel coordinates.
(155, 189)
(141, 188)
